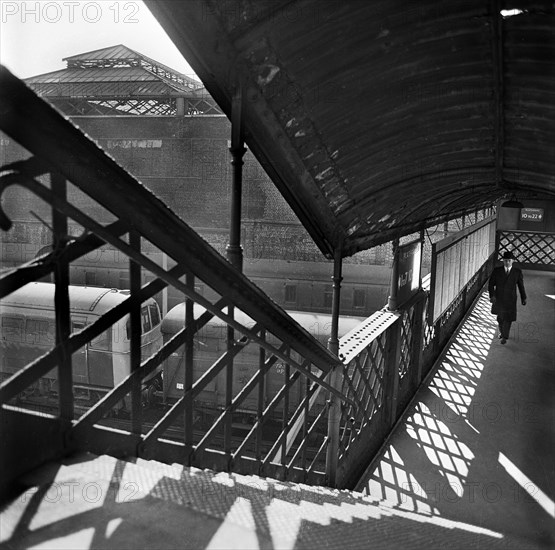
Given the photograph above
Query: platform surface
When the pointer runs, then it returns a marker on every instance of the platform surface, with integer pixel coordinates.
(477, 445)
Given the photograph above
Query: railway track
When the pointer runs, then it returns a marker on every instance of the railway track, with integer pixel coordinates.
(151, 416)
(176, 432)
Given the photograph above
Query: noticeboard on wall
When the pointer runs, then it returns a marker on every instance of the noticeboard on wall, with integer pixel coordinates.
(408, 281)
(455, 261)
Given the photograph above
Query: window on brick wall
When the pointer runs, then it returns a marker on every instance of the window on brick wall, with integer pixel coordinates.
(359, 298)
(291, 294)
(90, 278)
(124, 279)
(254, 200)
(328, 298)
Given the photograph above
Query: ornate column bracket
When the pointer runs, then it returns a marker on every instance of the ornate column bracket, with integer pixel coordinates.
(234, 249)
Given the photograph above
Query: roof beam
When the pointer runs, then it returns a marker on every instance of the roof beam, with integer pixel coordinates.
(498, 89)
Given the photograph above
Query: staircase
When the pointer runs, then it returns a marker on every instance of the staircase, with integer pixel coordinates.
(89, 501)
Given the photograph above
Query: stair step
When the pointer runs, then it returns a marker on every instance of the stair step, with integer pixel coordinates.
(84, 523)
(170, 470)
(265, 505)
(202, 490)
(217, 508)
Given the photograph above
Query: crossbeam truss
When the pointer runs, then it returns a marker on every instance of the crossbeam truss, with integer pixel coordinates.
(140, 106)
(128, 106)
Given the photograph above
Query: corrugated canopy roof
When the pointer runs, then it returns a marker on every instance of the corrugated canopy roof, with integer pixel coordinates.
(377, 119)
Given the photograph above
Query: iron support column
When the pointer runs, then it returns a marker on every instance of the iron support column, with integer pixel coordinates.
(334, 405)
(234, 249)
(333, 342)
(135, 322)
(61, 303)
(392, 301)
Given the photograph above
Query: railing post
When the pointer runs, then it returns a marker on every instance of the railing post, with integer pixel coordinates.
(422, 244)
(261, 403)
(61, 303)
(418, 335)
(188, 381)
(228, 426)
(392, 369)
(334, 406)
(285, 418)
(135, 322)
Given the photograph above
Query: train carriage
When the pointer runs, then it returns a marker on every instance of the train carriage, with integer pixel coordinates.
(27, 325)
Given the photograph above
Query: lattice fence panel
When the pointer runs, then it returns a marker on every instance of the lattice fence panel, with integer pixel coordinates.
(363, 381)
(528, 248)
(406, 341)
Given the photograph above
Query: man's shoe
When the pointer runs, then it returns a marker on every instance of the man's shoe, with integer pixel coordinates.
(503, 340)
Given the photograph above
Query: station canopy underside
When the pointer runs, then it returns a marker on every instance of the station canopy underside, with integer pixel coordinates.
(378, 119)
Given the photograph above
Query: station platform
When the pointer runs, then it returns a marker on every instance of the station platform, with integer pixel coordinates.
(477, 443)
(470, 465)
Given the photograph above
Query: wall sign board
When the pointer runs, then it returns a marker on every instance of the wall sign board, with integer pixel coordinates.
(531, 214)
(408, 282)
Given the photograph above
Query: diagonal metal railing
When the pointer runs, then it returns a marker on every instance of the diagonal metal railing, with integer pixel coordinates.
(62, 156)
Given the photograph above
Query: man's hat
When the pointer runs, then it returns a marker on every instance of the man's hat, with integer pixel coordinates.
(508, 256)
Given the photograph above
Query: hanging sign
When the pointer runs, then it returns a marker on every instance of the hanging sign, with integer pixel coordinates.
(531, 214)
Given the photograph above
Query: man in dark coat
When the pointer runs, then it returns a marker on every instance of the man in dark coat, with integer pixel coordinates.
(502, 294)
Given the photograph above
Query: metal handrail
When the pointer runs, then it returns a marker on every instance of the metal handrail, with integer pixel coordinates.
(525, 232)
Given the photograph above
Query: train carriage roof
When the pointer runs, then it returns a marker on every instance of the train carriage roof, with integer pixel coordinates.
(83, 299)
(319, 325)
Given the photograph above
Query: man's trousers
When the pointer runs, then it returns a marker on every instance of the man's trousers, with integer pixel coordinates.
(504, 326)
